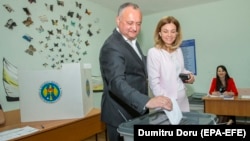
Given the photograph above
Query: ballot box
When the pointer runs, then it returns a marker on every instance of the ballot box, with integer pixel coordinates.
(65, 93)
(159, 118)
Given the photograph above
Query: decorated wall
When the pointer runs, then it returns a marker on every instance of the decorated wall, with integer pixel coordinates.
(44, 34)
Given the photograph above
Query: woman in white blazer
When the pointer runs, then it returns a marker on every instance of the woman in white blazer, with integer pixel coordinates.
(165, 62)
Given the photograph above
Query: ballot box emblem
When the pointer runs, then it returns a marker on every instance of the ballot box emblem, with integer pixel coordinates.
(50, 92)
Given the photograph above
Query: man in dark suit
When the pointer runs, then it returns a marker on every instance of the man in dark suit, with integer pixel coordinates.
(124, 74)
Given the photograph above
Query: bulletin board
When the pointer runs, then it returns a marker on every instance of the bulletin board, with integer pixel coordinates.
(188, 50)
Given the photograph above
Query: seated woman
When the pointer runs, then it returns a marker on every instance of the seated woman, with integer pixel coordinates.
(223, 84)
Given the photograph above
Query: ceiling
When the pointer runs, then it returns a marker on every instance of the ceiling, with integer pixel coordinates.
(153, 6)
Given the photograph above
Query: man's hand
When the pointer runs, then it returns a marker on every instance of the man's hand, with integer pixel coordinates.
(160, 102)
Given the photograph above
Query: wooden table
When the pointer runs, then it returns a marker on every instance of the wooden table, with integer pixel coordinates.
(57, 130)
(236, 107)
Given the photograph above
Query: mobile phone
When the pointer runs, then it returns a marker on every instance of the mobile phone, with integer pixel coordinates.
(184, 76)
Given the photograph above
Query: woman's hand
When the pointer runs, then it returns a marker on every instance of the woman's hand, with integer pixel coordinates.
(228, 93)
(216, 93)
(191, 79)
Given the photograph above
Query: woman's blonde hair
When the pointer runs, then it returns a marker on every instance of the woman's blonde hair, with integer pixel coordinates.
(159, 43)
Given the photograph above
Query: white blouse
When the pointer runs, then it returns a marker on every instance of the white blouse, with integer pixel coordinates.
(163, 71)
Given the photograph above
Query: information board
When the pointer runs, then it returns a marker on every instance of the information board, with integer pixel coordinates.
(188, 49)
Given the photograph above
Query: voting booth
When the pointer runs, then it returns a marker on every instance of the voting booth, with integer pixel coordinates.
(55, 94)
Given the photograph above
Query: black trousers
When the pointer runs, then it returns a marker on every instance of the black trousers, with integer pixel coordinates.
(113, 134)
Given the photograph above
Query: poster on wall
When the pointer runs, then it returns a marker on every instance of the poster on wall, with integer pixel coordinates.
(188, 49)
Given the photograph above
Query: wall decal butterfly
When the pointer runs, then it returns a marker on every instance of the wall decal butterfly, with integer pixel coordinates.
(49, 7)
(77, 33)
(60, 3)
(46, 45)
(53, 66)
(10, 24)
(84, 53)
(98, 31)
(43, 18)
(27, 38)
(28, 22)
(89, 25)
(30, 50)
(54, 22)
(48, 38)
(45, 64)
(55, 44)
(32, 1)
(80, 26)
(79, 5)
(8, 8)
(87, 43)
(90, 33)
(73, 23)
(50, 32)
(78, 16)
(65, 27)
(63, 18)
(87, 12)
(40, 29)
(26, 10)
(70, 33)
(71, 14)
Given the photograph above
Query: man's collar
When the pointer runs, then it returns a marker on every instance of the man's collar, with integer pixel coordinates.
(125, 38)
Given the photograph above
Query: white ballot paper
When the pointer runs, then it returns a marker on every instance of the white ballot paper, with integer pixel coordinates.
(175, 115)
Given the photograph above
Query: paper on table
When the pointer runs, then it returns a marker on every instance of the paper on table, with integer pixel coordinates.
(175, 115)
(17, 132)
(215, 95)
(228, 97)
(245, 96)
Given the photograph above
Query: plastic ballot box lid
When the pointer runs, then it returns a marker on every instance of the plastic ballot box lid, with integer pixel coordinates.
(160, 118)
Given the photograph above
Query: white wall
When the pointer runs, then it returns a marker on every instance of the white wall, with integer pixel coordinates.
(221, 32)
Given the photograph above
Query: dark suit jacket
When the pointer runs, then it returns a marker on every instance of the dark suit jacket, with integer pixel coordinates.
(124, 77)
